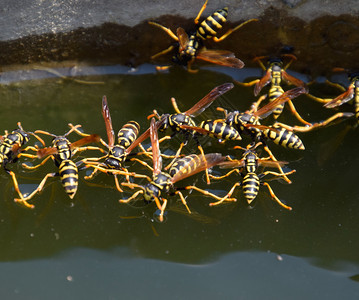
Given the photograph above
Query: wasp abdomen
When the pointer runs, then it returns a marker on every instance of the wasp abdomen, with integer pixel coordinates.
(128, 133)
(211, 25)
(69, 177)
(250, 186)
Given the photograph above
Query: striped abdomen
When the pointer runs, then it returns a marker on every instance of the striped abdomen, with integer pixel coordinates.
(128, 133)
(221, 130)
(275, 91)
(356, 102)
(69, 177)
(210, 26)
(185, 165)
(250, 186)
(284, 137)
(16, 137)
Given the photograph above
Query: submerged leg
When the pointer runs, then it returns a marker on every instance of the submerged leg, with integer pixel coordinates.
(275, 197)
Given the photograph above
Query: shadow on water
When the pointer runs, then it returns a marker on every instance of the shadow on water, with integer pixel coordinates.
(322, 228)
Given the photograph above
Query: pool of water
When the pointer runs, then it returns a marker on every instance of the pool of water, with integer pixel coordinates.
(95, 247)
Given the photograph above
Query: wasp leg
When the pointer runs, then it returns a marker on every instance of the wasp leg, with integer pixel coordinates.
(296, 114)
(119, 172)
(36, 166)
(200, 12)
(24, 200)
(292, 58)
(226, 197)
(279, 167)
(216, 39)
(206, 193)
(275, 197)
(321, 100)
(277, 174)
(176, 155)
(253, 82)
(205, 161)
(189, 66)
(254, 106)
(183, 201)
(32, 156)
(131, 198)
(225, 175)
(142, 163)
(165, 29)
(259, 60)
(174, 104)
(117, 184)
(161, 207)
(225, 112)
(80, 149)
(316, 125)
(16, 185)
(337, 85)
(163, 52)
(74, 128)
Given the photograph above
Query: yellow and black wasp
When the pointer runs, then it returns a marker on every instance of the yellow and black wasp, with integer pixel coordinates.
(117, 154)
(61, 153)
(178, 122)
(349, 93)
(247, 167)
(191, 46)
(11, 149)
(162, 182)
(274, 74)
(248, 123)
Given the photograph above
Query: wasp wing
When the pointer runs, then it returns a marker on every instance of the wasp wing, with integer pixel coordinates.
(156, 155)
(341, 99)
(46, 151)
(108, 122)
(92, 138)
(291, 79)
(182, 38)
(144, 136)
(220, 57)
(207, 100)
(288, 95)
(262, 82)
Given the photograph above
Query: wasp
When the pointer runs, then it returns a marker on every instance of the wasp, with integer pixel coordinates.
(248, 123)
(61, 153)
(177, 122)
(275, 73)
(251, 180)
(349, 93)
(191, 46)
(11, 149)
(163, 182)
(117, 154)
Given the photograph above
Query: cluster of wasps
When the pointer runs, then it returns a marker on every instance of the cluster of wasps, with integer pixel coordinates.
(118, 157)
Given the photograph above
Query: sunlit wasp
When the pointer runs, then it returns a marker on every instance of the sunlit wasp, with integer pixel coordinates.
(61, 153)
(349, 93)
(176, 121)
(117, 154)
(10, 150)
(274, 74)
(248, 123)
(247, 167)
(162, 182)
(191, 46)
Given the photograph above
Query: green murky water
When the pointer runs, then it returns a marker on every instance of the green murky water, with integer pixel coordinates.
(96, 248)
